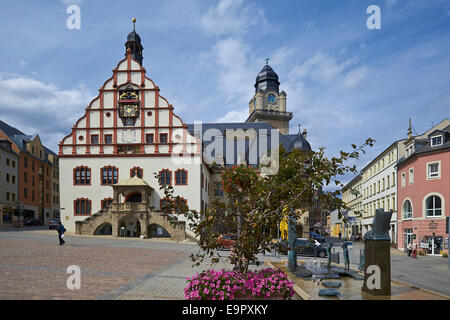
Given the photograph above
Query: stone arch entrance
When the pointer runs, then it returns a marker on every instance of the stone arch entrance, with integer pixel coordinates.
(104, 229)
(129, 226)
(157, 231)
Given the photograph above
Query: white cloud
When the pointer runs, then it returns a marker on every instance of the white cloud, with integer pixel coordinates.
(322, 68)
(235, 75)
(234, 116)
(36, 107)
(281, 55)
(232, 16)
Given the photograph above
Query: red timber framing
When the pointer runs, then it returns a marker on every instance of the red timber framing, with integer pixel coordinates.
(104, 111)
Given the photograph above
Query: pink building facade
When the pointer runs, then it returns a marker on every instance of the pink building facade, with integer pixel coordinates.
(424, 193)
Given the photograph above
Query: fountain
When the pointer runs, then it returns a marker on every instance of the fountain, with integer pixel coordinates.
(311, 275)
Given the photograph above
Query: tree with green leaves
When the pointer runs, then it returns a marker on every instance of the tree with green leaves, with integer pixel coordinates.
(255, 203)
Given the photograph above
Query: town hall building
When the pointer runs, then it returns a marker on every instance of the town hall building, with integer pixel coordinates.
(130, 133)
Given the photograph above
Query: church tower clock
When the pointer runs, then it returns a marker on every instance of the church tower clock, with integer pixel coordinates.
(268, 103)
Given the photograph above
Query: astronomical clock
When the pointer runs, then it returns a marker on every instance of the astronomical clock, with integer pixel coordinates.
(129, 106)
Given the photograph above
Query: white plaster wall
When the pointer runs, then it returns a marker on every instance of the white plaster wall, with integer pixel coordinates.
(136, 77)
(149, 85)
(108, 99)
(135, 65)
(121, 77)
(122, 65)
(96, 192)
(109, 84)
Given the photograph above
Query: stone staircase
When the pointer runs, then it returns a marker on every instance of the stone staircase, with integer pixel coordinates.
(91, 223)
(175, 229)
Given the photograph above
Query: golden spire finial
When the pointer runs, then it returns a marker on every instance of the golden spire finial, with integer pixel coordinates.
(134, 23)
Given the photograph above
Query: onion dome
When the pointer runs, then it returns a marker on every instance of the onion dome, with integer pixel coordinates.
(266, 80)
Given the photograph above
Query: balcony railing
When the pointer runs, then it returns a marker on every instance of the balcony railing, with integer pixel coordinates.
(270, 112)
(130, 206)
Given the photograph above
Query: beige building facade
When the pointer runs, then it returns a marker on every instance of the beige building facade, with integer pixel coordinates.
(352, 196)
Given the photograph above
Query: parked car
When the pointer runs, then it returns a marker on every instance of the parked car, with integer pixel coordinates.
(226, 241)
(307, 248)
(31, 222)
(53, 224)
(317, 236)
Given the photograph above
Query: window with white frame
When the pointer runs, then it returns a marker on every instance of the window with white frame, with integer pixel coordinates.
(411, 175)
(433, 206)
(407, 210)
(403, 179)
(433, 170)
(409, 150)
(436, 141)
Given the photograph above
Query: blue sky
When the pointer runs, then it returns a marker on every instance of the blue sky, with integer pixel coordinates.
(344, 82)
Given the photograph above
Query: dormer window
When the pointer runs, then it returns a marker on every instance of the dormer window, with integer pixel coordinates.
(436, 141)
(409, 151)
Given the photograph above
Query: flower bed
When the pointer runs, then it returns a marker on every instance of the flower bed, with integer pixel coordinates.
(232, 285)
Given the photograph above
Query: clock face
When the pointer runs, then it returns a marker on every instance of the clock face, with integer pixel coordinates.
(129, 110)
(271, 98)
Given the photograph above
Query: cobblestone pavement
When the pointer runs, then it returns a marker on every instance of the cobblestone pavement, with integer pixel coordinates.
(33, 266)
(37, 269)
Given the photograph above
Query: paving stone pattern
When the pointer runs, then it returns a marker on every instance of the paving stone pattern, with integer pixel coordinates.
(37, 270)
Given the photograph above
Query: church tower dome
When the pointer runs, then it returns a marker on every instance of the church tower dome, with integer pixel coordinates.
(267, 79)
(134, 44)
(268, 103)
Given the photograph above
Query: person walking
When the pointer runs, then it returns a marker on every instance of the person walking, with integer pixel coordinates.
(414, 250)
(61, 231)
(409, 249)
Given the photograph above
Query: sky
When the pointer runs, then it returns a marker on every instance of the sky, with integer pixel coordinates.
(344, 81)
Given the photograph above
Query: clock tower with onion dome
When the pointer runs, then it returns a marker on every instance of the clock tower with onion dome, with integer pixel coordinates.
(268, 103)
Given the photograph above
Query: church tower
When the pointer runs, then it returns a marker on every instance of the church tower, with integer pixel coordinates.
(268, 103)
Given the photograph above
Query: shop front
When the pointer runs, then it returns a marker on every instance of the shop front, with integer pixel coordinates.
(6, 215)
(435, 245)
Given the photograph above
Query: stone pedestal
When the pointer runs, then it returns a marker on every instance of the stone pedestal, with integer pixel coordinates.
(377, 253)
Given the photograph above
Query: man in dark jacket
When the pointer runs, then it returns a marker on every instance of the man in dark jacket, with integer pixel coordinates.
(61, 231)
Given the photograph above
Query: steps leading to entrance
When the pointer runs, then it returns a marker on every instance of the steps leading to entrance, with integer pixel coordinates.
(175, 230)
